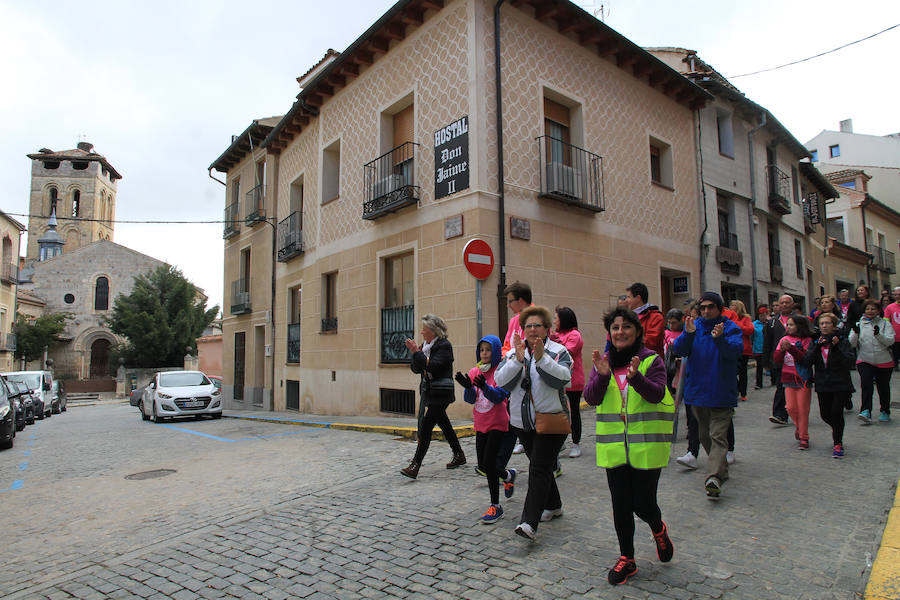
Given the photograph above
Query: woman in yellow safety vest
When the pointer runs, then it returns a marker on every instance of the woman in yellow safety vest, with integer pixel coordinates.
(635, 415)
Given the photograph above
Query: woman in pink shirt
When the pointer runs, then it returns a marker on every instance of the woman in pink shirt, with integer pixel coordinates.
(565, 332)
(794, 377)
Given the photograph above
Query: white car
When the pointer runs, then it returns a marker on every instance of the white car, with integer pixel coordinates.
(40, 383)
(180, 394)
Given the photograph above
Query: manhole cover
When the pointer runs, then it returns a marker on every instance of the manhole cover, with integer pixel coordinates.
(151, 474)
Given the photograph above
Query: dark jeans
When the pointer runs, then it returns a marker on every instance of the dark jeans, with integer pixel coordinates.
(575, 415)
(881, 378)
(895, 350)
(779, 408)
(487, 447)
(760, 370)
(742, 375)
(694, 432)
(435, 415)
(831, 408)
(542, 451)
(633, 492)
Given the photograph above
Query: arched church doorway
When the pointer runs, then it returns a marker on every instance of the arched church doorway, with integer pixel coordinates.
(100, 358)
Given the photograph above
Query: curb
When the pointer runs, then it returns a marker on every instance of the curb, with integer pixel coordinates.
(884, 581)
(405, 432)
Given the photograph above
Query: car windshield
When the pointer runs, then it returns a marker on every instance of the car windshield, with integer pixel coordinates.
(216, 382)
(182, 379)
(32, 380)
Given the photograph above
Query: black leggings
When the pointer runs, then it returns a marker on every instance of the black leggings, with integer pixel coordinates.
(542, 451)
(633, 492)
(742, 375)
(831, 408)
(575, 415)
(487, 447)
(881, 378)
(435, 415)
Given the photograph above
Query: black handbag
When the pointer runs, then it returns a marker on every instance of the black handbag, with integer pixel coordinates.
(440, 389)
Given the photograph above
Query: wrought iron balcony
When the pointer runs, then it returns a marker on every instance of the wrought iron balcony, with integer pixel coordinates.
(293, 343)
(779, 186)
(728, 256)
(883, 259)
(9, 273)
(240, 296)
(8, 342)
(256, 208)
(232, 223)
(390, 182)
(329, 324)
(290, 236)
(570, 174)
(397, 324)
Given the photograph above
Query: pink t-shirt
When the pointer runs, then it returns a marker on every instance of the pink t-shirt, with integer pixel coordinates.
(485, 414)
(892, 313)
(573, 342)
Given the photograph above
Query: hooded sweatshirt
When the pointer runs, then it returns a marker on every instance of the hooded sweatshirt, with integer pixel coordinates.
(490, 411)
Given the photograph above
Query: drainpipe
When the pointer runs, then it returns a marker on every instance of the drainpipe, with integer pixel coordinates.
(703, 196)
(502, 313)
(214, 179)
(752, 206)
(274, 177)
(862, 212)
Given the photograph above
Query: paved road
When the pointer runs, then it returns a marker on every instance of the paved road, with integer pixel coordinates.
(262, 510)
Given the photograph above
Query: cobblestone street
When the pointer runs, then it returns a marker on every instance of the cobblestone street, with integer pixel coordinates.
(265, 510)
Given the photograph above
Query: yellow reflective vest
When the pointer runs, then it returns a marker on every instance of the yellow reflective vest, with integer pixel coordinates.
(638, 434)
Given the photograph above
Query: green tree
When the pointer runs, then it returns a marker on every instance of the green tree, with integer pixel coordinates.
(161, 317)
(33, 336)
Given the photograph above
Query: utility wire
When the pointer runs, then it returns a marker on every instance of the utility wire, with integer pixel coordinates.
(815, 55)
(88, 220)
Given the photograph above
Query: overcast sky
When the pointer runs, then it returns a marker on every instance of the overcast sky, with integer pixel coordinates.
(160, 87)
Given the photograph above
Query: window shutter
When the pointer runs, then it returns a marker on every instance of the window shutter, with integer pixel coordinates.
(403, 126)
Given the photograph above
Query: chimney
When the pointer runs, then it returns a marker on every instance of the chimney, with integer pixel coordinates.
(87, 146)
(847, 126)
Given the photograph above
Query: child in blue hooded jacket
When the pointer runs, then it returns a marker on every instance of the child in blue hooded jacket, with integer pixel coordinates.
(490, 415)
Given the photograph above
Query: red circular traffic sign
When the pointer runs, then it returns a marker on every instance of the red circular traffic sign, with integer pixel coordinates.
(478, 258)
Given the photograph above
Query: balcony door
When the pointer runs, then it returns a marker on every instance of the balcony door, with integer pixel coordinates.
(397, 316)
(557, 122)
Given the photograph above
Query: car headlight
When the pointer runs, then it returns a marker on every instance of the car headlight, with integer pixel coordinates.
(162, 396)
(4, 410)
(216, 392)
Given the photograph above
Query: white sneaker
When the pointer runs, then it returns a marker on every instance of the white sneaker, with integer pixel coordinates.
(575, 452)
(519, 449)
(549, 515)
(729, 458)
(525, 530)
(688, 460)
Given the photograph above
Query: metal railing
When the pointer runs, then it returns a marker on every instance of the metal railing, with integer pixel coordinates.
(390, 181)
(9, 342)
(779, 186)
(9, 272)
(570, 174)
(883, 259)
(397, 324)
(329, 324)
(290, 236)
(256, 209)
(240, 296)
(728, 240)
(398, 401)
(232, 224)
(293, 343)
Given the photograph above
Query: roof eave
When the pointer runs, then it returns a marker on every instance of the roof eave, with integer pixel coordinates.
(242, 144)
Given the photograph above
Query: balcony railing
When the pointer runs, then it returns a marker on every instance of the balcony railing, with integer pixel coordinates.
(8, 342)
(232, 224)
(329, 324)
(728, 256)
(883, 260)
(240, 296)
(779, 185)
(256, 208)
(728, 240)
(570, 174)
(293, 343)
(390, 182)
(9, 272)
(776, 273)
(397, 324)
(290, 236)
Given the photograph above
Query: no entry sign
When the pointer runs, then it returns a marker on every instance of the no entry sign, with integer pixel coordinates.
(478, 258)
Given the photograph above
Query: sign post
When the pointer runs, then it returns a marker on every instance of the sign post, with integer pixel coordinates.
(479, 261)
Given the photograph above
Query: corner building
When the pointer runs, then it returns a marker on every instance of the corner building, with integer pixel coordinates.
(354, 214)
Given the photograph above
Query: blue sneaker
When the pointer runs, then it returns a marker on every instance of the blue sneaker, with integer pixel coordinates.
(509, 486)
(865, 416)
(884, 417)
(494, 512)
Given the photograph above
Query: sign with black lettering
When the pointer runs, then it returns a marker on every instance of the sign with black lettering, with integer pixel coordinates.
(811, 207)
(451, 158)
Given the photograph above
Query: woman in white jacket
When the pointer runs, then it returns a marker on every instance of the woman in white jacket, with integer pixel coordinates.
(536, 372)
(873, 337)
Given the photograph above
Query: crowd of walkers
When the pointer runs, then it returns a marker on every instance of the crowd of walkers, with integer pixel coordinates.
(526, 392)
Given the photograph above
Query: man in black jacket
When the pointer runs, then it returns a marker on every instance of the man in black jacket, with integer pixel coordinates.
(772, 334)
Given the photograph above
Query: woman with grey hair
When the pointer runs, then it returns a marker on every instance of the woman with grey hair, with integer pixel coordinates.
(433, 360)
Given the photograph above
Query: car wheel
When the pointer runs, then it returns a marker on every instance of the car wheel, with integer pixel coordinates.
(155, 417)
(7, 445)
(144, 416)
(63, 409)
(40, 417)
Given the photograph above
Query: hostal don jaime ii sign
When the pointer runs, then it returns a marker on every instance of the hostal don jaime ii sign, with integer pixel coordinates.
(451, 158)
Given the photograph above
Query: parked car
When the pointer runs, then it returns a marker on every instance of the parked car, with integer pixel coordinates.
(41, 384)
(216, 381)
(19, 397)
(58, 390)
(180, 394)
(136, 396)
(7, 418)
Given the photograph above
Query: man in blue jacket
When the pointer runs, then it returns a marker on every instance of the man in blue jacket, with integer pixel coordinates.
(712, 345)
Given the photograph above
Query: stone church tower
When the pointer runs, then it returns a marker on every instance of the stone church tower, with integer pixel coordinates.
(81, 185)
